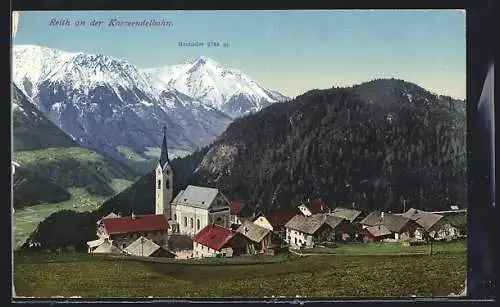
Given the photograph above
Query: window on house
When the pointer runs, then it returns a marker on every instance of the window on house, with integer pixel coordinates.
(159, 184)
(185, 222)
(124, 245)
(198, 224)
(175, 217)
(295, 240)
(191, 222)
(168, 184)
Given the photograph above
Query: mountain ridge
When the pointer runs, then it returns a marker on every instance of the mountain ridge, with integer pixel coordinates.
(227, 89)
(103, 102)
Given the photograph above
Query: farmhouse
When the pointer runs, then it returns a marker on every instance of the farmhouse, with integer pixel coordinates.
(122, 231)
(349, 214)
(103, 246)
(306, 231)
(376, 233)
(427, 222)
(239, 212)
(402, 228)
(258, 238)
(275, 221)
(146, 248)
(196, 207)
(313, 207)
(214, 240)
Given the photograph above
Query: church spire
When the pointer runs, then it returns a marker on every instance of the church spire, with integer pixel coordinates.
(164, 153)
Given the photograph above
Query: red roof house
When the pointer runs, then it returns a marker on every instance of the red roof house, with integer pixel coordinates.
(214, 237)
(278, 218)
(139, 223)
(317, 206)
(313, 207)
(235, 207)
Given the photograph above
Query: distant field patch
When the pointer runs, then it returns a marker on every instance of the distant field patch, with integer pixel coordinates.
(54, 154)
(154, 152)
(26, 220)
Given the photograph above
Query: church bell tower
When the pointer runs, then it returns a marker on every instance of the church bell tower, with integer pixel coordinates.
(164, 181)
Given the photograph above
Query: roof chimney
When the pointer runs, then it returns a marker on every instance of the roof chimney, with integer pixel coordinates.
(245, 229)
(382, 214)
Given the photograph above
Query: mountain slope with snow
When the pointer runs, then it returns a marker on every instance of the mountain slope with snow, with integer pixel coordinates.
(105, 103)
(226, 89)
(31, 129)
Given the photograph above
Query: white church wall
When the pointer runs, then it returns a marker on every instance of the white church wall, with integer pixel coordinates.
(187, 214)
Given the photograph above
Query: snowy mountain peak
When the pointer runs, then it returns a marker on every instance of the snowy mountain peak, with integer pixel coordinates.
(105, 102)
(224, 88)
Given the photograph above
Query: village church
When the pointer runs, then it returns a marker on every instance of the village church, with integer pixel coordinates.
(194, 207)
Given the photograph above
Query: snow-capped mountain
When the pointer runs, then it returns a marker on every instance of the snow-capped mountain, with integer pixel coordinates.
(103, 102)
(226, 89)
(31, 129)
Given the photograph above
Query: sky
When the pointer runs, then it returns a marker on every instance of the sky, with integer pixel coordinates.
(287, 51)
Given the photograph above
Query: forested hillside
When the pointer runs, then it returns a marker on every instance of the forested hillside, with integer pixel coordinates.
(370, 146)
(374, 145)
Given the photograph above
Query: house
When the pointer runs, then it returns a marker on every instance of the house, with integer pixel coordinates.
(306, 231)
(454, 225)
(402, 228)
(214, 240)
(275, 221)
(428, 223)
(122, 231)
(258, 238)
(349, 214)
(376, 233)
(92, 245)
(112, 215)
(239, 212)
(196, 207)
(147, 248)
(313, 207)
(103, 246)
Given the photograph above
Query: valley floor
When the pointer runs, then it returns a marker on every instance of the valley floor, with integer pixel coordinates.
(26, 220)
(73, 274)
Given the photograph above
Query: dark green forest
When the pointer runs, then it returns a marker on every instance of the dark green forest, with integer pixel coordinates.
(370, 146)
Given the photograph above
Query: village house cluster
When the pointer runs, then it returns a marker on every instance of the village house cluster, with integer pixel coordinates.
(218, 227)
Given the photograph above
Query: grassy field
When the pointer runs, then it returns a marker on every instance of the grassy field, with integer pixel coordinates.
(314, 276)
(54, 154)
(389, 248)
(27, 219)
(145, 162)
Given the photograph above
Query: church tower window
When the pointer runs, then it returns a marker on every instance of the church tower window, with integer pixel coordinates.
(191, 223)
(185, 221)
(198, 224)
(167, 184)
(159, 184)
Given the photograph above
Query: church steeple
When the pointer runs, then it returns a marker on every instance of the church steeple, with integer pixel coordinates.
(164, 152)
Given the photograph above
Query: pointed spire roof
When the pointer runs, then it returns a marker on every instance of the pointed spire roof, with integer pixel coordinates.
(164, 152)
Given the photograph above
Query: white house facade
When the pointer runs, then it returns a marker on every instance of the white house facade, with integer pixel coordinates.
(202, 251)
(298, 239)
(196, 207)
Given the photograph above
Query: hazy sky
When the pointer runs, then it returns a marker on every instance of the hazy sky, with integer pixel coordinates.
(287, 51)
